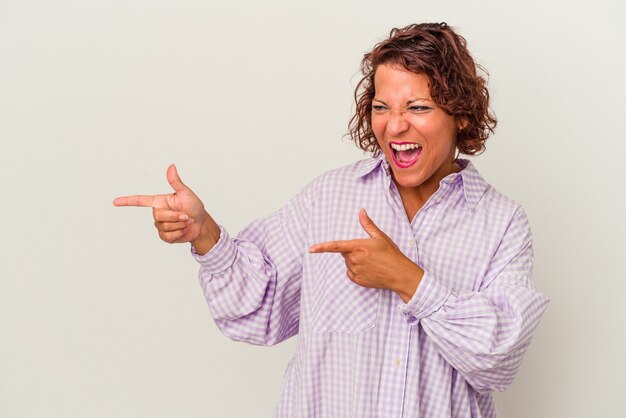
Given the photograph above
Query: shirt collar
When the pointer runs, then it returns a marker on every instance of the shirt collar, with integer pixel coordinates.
(369, 165)
(474, 186)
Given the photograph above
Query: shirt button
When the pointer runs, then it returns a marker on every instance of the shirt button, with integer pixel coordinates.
(396, 362)
(411, 243)
(438, 200)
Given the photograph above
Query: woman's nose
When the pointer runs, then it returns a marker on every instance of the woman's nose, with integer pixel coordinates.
(397, 123)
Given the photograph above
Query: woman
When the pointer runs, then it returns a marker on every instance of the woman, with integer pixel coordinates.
(421, 306)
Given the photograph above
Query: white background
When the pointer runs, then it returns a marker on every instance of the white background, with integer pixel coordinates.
(99, 318)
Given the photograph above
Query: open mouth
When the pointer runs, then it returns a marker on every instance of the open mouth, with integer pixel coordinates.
(405, 154)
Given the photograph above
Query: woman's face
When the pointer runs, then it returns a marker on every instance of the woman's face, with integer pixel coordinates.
(417, 137)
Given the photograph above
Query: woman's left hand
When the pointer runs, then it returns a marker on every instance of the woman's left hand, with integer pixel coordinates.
(375, 261)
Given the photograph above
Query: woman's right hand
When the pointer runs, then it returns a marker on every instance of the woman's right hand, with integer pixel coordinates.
(179, 216)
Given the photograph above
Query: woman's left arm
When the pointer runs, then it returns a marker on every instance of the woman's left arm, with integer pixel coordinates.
(484, 334)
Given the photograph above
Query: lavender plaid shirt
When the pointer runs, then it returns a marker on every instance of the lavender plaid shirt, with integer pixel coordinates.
(363, 352)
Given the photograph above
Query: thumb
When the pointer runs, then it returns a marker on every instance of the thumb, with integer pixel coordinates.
(174, 179)
(369, 226)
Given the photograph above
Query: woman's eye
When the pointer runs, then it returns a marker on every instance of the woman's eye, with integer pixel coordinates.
(418, 108)
(378, 108)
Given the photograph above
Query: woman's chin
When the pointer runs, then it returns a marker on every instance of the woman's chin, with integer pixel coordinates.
(407, 180)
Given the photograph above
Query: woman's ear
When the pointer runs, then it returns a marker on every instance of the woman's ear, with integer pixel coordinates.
(462, 123)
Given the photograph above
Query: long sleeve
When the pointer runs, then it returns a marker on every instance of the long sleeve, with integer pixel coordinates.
(252, 283)
(484, 333)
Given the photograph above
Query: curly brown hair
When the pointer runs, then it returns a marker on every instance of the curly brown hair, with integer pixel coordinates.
(435, 50)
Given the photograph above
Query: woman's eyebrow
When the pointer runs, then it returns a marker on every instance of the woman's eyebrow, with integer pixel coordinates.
(419, 99)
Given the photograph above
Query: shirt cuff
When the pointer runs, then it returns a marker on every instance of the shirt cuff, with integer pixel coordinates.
(220, 257)
(429, 297)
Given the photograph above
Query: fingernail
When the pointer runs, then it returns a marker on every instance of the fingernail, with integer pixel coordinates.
(183, 217)
(191, 220)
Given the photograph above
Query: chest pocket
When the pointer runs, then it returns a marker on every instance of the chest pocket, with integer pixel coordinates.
(340, 305)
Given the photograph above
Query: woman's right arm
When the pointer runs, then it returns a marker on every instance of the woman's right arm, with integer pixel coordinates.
(251, 283)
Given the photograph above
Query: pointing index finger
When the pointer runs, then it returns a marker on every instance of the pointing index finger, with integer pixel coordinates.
(333, 247)
(135, 200)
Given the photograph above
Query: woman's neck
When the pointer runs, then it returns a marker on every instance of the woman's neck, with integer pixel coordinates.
(413, 198)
